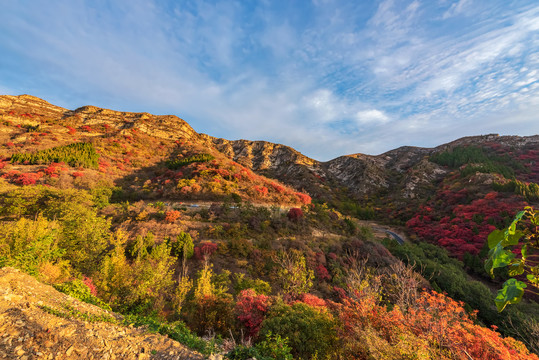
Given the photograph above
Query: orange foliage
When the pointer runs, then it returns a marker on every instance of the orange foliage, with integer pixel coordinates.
(438, 324)
(304, 198)
(172, 215)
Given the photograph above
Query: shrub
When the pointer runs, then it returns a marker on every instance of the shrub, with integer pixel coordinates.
(294, 214)
(251, 309)
(309, 331)
(258, 285)
(28, 244)
(182, 247)
(172, 215)
(181, 162)
(304, 198)
(212, 313)
(83, 290)
(205, 250)
(273, 347)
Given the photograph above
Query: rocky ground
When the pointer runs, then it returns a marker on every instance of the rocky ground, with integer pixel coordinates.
(38, 322)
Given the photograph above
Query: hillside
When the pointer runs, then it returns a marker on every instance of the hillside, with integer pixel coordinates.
(216, 243)
(154, 157)
(38, 322)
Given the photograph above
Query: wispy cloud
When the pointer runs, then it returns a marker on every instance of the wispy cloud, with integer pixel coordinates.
(327, 77)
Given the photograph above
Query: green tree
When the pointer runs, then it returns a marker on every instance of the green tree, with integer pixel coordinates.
(296, 278)
(183, 246)
(28, 244)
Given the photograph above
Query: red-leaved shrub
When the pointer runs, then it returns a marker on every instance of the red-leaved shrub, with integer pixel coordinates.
(251, 310)
(294, 214)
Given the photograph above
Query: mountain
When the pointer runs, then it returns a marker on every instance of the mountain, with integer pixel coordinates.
(256, 246)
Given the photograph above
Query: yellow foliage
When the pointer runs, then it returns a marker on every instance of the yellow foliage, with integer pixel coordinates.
(204, 285)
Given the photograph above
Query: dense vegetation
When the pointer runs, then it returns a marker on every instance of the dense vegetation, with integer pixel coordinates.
(181, 162)
(477, 159)
(78, 154)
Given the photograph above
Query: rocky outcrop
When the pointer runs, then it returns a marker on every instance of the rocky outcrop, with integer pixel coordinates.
(38, 322)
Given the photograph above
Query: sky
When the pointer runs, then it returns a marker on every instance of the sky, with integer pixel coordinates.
(325, 77)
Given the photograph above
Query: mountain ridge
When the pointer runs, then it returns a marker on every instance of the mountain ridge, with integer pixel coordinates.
(361, 174)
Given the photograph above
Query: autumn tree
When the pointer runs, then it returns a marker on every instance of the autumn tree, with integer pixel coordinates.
(296, 278)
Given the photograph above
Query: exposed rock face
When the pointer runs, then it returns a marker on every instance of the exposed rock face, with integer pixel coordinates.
(28, 103)
(261, 155)
(160, 126)
(29, 331)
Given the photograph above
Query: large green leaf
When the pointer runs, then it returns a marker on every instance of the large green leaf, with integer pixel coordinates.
(511, 293)
(500, 258)
(511, 229)
(516, 268)
(495, 237)
(512, 238)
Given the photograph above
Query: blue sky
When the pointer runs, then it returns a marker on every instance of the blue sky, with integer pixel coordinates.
(326, 77)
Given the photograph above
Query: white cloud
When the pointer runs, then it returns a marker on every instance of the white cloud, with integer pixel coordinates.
(372, 116)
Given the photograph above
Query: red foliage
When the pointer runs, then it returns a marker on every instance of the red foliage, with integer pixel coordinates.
(277, 187)
(314, 301)
(88, 282)
(471, 224)
(436, 322)
(294, 214)
(172, 215)
(205, 250)
(19, 178)
(86, 128)
(251, 310)
(77, 174)
(10, 144)
(322, 273)
(71, 131)
(54, 169)
(262, 190)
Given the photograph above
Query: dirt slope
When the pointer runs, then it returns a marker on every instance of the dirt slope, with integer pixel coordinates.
(29, 330)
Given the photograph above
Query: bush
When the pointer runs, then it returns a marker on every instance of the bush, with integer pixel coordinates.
(80, 290)
(181, 162)
(251, 309)
(212, 313)
(272, 348)
(172, 215)
(310, 332)
(295, 214)
(28, 244)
